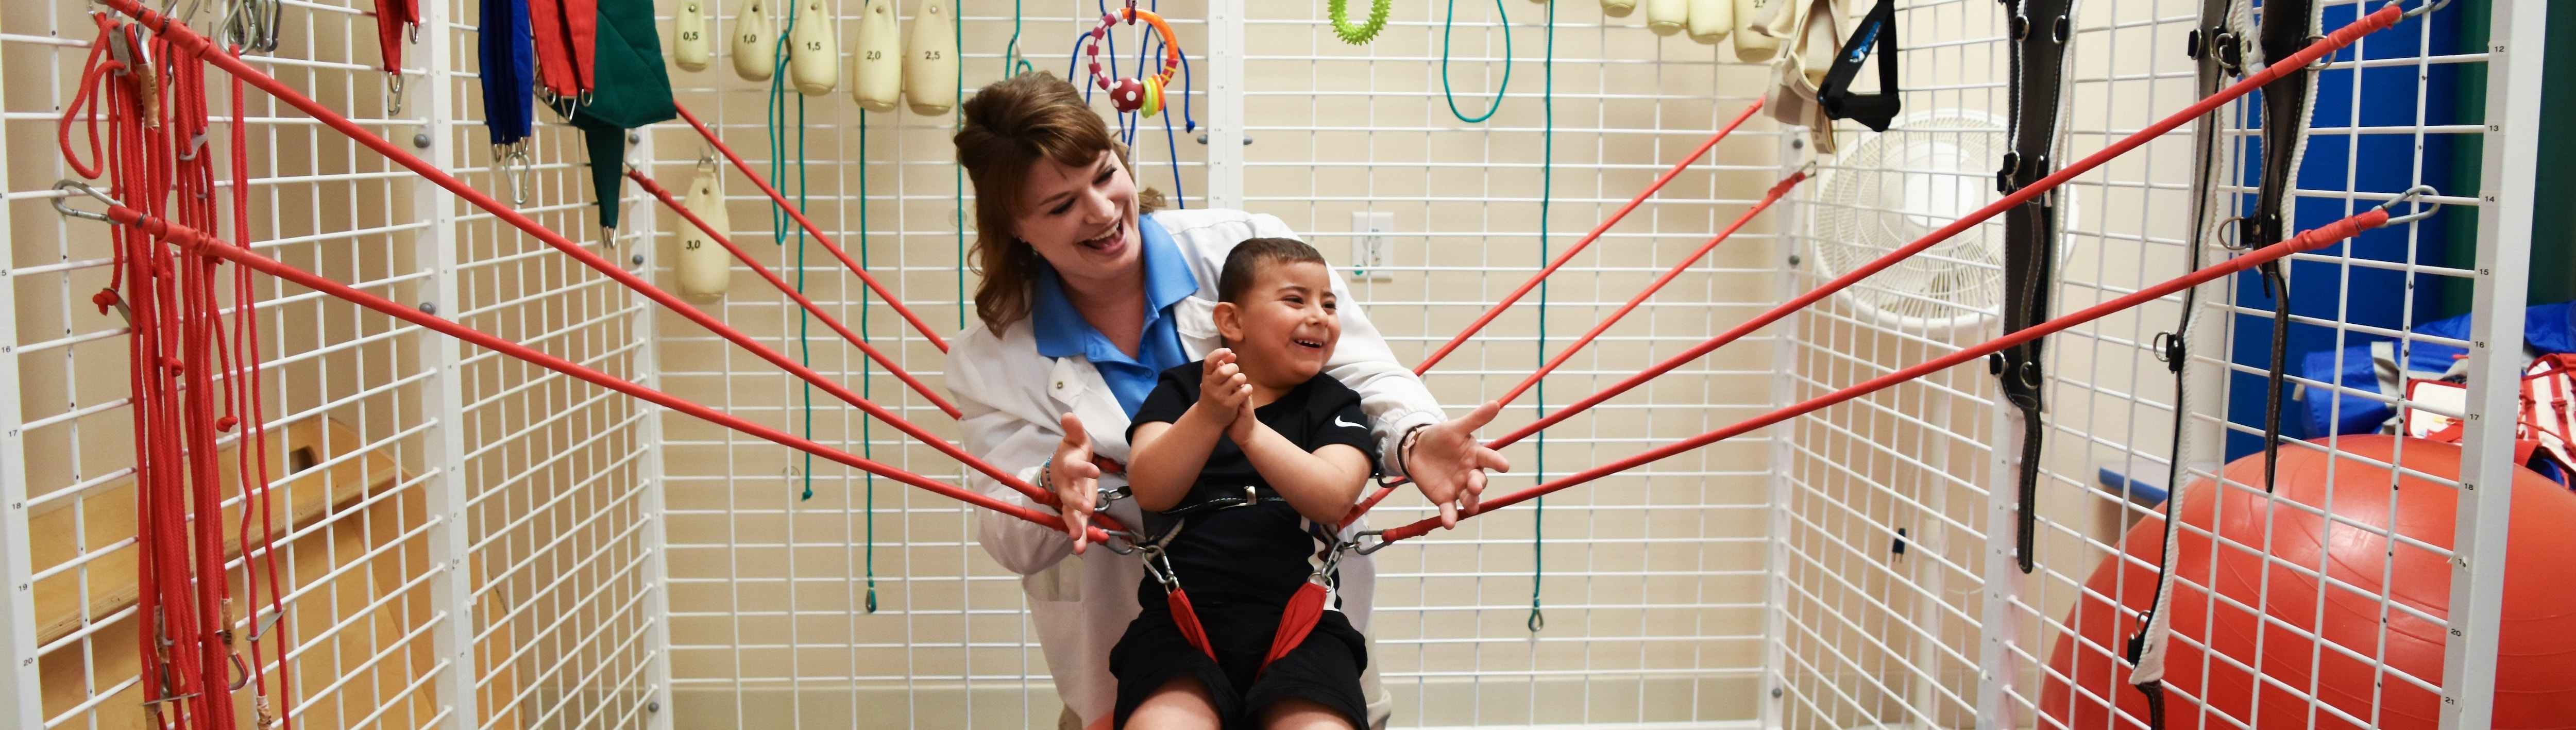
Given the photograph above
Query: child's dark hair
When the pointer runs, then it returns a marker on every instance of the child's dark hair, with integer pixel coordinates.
(1246, 260)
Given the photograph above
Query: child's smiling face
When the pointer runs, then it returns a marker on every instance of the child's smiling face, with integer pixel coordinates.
(1285, 325)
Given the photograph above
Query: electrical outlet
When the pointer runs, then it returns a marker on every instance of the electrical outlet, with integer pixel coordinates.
(1371, 252)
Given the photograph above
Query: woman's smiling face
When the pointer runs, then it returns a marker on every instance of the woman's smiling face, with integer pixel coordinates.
(1082, 219)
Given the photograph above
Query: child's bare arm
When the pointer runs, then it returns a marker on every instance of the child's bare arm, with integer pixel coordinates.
(1164, 459)
(1321, 485)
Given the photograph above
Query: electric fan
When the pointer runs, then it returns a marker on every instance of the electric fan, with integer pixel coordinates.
(1924, 172)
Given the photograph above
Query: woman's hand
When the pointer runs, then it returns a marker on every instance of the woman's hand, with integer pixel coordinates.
(1076, 481)
(1448, 464)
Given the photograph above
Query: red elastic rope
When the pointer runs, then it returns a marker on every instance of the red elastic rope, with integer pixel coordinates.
(907, 427)
(817, 231)
(2384, 17)
(809, 306)
(192, 239)
(1777, 190)
(185, 40)
(1587, 240)
(2309, 241)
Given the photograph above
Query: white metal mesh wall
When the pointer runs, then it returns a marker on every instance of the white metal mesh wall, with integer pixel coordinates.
(466, 540)
(1872, 636)
(1651, 578)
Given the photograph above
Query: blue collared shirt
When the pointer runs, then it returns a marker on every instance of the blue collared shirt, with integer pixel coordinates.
(1062, 332)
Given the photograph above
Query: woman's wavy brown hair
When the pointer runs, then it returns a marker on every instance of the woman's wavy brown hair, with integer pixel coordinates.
(1009, 126)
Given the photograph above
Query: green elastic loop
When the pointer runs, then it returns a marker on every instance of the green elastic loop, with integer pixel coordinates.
(1500, 91)
(1339, 12)
(1546, 196)
(867, 383)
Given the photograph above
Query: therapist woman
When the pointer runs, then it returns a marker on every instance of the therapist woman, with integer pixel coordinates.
(1087, 294)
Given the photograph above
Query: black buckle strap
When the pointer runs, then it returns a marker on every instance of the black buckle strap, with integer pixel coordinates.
(1877, 30)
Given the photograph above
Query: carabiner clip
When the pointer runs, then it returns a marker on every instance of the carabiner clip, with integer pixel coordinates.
(2420, 10)
(84, 189)
(1354, 545)
(2416, 194)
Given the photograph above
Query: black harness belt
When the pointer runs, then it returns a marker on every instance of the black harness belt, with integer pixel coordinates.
(2041, 30)
(2287, 26)
(2218, 51)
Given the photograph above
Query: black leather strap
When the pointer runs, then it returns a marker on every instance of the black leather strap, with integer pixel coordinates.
(2287, 26)
(2040, 30)
(1877, 30)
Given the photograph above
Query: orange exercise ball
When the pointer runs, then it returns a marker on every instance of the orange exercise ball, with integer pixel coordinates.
(2535, 666)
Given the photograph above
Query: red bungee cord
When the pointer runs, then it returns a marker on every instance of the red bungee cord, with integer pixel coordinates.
(1778, 190)
(2386, 16)
(2312, 240)
(193, 240)
(185, 40)
(2375, 21)
(828, 245)
(1588, 238)
(934, 441)
(784, 288)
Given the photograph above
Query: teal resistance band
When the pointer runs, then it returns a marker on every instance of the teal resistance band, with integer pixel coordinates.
(1013, 63)
(779, 221)
(867, 383)
(1446, 28)
(1546, 195)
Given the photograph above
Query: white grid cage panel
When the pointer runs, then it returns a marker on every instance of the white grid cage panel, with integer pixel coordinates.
(1649, 580)
(464, 540)
(1874, 636)
(770, 619)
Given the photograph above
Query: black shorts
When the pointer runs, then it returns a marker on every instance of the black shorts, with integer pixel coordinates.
(1324, 669)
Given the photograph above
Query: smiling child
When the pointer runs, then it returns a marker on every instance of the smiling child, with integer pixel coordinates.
(1246, 463)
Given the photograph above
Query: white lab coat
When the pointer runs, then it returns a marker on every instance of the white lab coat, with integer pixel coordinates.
(1012, 397)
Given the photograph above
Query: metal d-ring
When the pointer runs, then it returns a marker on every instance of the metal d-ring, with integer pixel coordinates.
(84, 189)
(2416, 194)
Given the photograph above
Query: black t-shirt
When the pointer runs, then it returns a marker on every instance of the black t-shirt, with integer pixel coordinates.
(1256, 553)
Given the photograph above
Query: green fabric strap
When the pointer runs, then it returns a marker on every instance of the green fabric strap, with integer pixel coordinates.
(633, 90)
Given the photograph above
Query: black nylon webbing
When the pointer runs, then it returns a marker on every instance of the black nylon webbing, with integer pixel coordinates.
(1876, 30)
(2040, 32)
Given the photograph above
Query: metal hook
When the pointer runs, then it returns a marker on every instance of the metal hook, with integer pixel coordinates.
(243, 680)
(84, 189)
(1355, 546)
(394, 83)
(2425, 8)
(1133, 546)
(2416, 194)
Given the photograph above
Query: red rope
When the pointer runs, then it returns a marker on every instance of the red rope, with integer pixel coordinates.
(907, 427)
(2384, 17)
(2309, 241)
(1777, 190)
(817, 231)
(184, 40)
(1587, 240)
(808, 304)
(191, 239)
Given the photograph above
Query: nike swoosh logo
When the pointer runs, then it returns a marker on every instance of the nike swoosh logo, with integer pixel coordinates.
(1337, 421)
